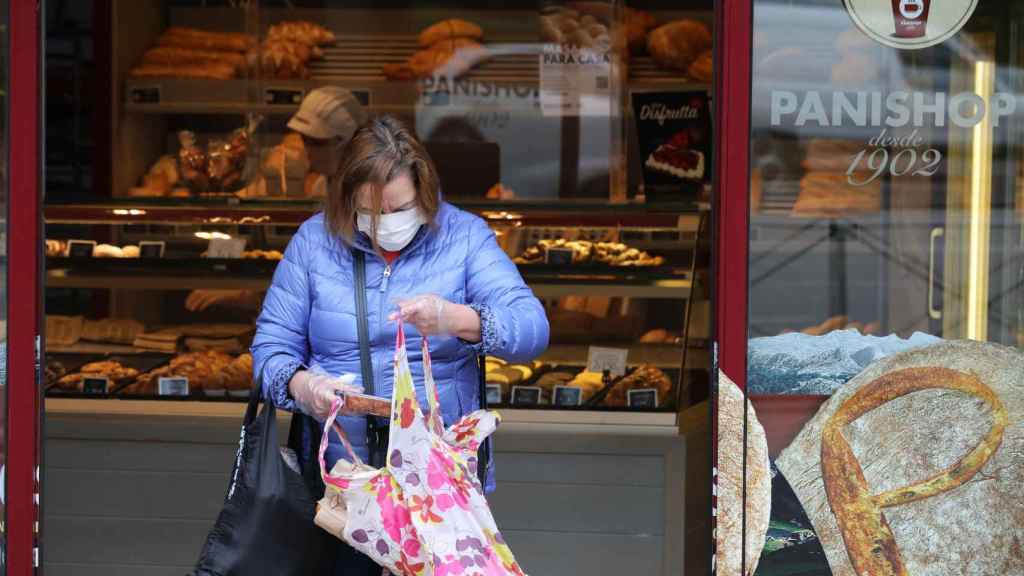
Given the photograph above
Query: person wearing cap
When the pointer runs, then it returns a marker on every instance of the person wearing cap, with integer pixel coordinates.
(326, 121)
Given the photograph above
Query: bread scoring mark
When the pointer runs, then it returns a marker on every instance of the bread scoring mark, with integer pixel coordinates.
(870, 542)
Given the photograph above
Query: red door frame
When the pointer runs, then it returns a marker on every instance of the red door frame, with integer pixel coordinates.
(733, 43)
(24, 290)
(732, 166)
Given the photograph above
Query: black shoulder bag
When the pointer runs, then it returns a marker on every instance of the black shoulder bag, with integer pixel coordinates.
(266, 525)
(377, 432)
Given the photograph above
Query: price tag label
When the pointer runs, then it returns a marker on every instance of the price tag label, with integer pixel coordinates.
(559, 256)
(568, 396)
(172, 386)
(611, 359)
(144, 95)
(95, 385)
(225, 248)
(493, 394)
(642, 398)
(81, 248)
(152, 248)
(283, 96)
(525, 396)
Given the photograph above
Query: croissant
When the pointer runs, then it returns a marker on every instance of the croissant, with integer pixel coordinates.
(677, 44)
(448, 29)
(302, 31)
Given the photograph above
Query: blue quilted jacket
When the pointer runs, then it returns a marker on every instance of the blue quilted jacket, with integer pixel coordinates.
(309, 317)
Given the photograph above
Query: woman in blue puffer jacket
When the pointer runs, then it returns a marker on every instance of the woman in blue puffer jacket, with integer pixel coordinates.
(437, 268)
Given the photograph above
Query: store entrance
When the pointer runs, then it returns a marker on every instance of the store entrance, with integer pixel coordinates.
(191, 143)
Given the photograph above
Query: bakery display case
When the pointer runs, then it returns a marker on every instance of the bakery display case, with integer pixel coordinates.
(120, 280)
(538, 117)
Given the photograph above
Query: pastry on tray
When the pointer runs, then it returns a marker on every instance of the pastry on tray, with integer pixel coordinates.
(644, 377)
(301, 31)
(113, 371)
(112, 330)
(160, 341)
(63, 330)
(206, 40)
(449, 29)
(678, 44)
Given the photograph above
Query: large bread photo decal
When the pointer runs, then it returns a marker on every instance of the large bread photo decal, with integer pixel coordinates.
(744, 486)
(915, 466)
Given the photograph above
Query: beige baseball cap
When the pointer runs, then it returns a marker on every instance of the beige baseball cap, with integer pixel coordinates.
(328, 112)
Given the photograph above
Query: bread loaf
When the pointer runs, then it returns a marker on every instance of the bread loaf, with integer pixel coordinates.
(211, 71)
(181, 56)
(677, 44)
(206, 40)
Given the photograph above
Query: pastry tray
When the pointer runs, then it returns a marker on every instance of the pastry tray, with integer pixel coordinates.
(641, 274)
(71, 363)
(233, 267)
(671, 373)
(356, 62)
(143, 362)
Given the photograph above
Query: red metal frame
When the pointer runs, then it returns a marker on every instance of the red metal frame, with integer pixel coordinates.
(732, 162)
(733, 44)
(23, 286)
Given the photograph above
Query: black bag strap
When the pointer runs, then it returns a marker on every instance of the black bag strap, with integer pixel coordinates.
(375, 437)
(484, 452)
(255, 397)
(363, 321)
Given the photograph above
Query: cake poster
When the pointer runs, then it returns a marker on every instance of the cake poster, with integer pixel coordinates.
(674, 132)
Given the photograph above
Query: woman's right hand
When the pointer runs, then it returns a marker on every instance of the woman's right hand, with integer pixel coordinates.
(315, 393)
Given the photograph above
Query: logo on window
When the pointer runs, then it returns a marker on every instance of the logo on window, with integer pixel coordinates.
(910, 24)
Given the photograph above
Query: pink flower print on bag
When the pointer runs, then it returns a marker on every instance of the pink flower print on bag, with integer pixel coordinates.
(424, 513)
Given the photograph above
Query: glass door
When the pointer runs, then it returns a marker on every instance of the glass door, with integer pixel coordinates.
(884, 291)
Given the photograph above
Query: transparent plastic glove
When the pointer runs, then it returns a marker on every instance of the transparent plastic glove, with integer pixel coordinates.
(314, 391)
(430, 314)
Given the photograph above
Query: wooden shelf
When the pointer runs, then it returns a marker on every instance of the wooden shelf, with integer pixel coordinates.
(356, 63)
(201, 273)
(235, 211)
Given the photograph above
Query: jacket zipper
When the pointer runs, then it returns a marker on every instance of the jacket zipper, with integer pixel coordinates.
(381, 319)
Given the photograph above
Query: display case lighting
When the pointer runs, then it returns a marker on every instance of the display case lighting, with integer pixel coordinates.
(213, 236)
(129, 212)
(503, 215)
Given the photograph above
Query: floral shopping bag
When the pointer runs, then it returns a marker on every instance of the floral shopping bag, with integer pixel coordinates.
(424, 513)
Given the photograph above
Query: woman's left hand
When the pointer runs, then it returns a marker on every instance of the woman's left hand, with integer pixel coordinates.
(435, 316)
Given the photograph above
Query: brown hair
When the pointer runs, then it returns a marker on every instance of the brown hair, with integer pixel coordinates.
(380, 151)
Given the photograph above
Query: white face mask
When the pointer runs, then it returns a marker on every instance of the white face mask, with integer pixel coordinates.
(394, 231)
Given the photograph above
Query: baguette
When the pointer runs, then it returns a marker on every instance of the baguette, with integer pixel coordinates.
(180, 56)
(206, 40)
(196, 71)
